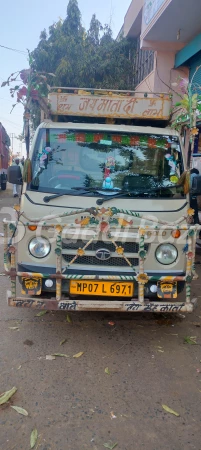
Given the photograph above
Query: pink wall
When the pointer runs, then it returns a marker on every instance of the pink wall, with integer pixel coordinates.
(161, 46)
(165, 74)
(147, 85)
(161, 78)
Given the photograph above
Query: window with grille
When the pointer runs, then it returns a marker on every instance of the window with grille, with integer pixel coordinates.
(143, 63)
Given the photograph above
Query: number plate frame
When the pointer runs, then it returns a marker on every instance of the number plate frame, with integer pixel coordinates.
(102, 288)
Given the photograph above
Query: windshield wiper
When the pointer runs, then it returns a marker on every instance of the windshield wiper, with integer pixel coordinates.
(83, 190)
(120, 194)
(116, 192)
(124, 193)
(95, 189)
(46, 199)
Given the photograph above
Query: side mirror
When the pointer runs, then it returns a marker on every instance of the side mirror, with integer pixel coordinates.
(14, 175)
(196, 185)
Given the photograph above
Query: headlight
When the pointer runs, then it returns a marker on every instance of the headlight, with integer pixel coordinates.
(39, 247)
(166, 254)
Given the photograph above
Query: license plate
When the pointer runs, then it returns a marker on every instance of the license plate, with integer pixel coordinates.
(31, 286)
(102, 288)
(167, 290)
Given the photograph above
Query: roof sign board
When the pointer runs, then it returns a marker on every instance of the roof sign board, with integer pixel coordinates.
(110, 106)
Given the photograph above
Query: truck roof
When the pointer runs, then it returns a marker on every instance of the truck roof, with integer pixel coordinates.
(109, 127)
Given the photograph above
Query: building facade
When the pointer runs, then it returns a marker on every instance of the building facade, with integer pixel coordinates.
(168, 34)
(164, 29)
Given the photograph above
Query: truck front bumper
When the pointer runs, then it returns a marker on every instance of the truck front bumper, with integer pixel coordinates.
(132, 305)
(138, 303)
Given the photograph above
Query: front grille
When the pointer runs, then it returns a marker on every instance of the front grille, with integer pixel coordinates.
(92, 260)
(129, 247)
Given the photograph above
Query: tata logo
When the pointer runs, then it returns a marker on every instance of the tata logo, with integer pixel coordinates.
(103, 254)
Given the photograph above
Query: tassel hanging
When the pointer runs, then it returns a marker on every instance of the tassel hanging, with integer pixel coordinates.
(184, 180)
(27, 172)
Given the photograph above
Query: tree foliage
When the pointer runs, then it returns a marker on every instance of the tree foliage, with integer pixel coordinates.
(68, 55)
(84, 58)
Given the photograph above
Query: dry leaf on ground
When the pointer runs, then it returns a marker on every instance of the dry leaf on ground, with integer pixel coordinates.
(171, 334)
(50, 357)
(33, 438)
(190, 340)
(20, 410)
(61, 354)
(13, 328)
(110, 445)
(78, 355)
(68, 319)
(107, 371)
(7, 395)
(171, 411)
(41, 313)
(63, 342)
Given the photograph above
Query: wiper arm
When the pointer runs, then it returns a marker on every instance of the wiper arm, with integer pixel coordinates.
(120, 194)
(83, 190)
(46, 199)
(95, 189)
(124, 193)
(117, 192)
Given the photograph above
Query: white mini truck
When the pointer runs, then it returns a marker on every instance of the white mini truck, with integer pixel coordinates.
(105, 222)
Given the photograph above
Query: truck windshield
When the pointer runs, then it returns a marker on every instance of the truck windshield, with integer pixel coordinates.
(64, 160)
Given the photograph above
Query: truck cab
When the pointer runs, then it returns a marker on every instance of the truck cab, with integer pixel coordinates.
(104, 223)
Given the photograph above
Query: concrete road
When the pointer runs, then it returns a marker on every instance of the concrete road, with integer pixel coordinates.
(74, 403)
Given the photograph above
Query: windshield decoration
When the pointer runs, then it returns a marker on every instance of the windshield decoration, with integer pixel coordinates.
(172, 163)
(109, 168)
(105, 139)
(44, 156)
(110, 163)
(108, 183)
(104, 142)
(84, 163)
(172, 159)
(174, 179)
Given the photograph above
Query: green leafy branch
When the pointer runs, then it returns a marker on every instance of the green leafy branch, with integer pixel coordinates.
(32, 87)
(189, 107)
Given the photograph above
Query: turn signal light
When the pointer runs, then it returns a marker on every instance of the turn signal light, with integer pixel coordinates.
(176, 234)
(32, 227)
